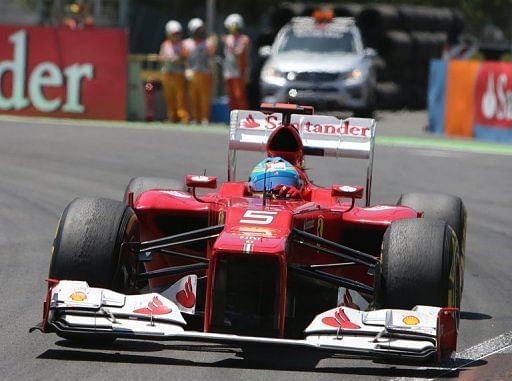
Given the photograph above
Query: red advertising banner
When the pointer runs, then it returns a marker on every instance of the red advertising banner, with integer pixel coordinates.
(63, 73)
(493, 95)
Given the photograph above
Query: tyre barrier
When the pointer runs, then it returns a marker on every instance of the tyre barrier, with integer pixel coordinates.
(396, 46)
(407, 37)
(414, 18)
(348, 10)
(403, 74)
(416, 98)
(428, 45)
(389, 95)
(295, 9)
(379, 17)
(381, 67)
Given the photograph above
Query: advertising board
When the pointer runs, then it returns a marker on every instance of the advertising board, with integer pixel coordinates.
(63, 73)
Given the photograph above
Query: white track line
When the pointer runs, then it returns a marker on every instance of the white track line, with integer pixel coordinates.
(470, 355)
(487, 347)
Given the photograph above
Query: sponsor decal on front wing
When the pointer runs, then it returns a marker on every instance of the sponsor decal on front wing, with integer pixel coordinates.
(339, 320)
(78, 296)
(183, 293)
(154, 307)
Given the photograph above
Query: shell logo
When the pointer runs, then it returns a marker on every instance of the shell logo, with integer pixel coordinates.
(78, 296)
(411, 320)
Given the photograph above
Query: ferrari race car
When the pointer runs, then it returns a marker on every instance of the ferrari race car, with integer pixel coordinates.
(245, 268)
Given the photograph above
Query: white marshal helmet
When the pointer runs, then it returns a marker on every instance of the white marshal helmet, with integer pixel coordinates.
(234, 20)
(172, 27)
(195, 24)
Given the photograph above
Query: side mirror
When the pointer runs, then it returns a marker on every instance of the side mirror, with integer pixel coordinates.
(370, 52)
(196, 181)
(265, 51)
(347, 191)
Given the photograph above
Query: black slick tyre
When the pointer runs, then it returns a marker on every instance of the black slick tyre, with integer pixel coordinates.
(444, 207)
(138, 185)
(88, 244)
(419, 265)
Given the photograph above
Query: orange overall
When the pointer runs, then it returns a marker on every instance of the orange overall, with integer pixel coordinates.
(236, 50)
(201, 79)
(173, 80)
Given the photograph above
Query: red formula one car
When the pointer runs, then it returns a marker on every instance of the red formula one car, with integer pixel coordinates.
(248, 268)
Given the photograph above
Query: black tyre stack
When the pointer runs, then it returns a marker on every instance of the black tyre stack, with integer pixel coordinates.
(406, 37)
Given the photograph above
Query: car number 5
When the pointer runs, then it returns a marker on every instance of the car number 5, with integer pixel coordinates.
(258, 217)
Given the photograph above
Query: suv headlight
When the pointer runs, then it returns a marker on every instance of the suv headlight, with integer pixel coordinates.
(273, 76)
(354, 75)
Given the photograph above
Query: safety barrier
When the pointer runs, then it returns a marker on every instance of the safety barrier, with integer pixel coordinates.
(471, 99)
(63, 73)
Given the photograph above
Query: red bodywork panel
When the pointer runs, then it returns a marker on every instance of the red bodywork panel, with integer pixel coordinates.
(252, 228)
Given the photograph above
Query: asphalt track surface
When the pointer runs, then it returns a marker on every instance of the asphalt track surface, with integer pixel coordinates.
(45, 164)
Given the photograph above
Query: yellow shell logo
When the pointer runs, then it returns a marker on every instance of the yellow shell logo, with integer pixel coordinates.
(411, 320)
(78, 296)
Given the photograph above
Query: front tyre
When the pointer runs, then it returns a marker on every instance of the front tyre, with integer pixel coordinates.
(89, 244)
(444, 207)
(419, 265)
(138, 185)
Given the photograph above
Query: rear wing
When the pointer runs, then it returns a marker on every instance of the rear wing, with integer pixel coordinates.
(321, 135)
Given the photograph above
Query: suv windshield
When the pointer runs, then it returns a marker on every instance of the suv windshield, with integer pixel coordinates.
(317, 40)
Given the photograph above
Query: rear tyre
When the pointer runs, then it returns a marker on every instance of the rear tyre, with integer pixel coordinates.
(88, 244)
(138, 185)
(419, 265)
(444, 207)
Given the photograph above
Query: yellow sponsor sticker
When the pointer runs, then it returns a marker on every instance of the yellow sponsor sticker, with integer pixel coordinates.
(78, 296)
(411, 320)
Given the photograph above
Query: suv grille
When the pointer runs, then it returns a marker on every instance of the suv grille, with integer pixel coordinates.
(316, 77)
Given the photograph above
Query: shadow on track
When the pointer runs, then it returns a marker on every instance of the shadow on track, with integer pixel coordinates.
(467, 315)
(276, 360)
(145, 346)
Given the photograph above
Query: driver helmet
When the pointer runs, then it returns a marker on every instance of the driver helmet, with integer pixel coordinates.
(271, 172)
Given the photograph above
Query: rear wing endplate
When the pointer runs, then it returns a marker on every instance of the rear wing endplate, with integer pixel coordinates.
(321, 136)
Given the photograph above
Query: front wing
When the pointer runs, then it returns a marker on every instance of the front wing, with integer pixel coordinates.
(73, 309)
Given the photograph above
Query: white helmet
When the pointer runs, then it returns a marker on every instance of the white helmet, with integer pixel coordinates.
(173, 26)
(195, 24)
(234, 20)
